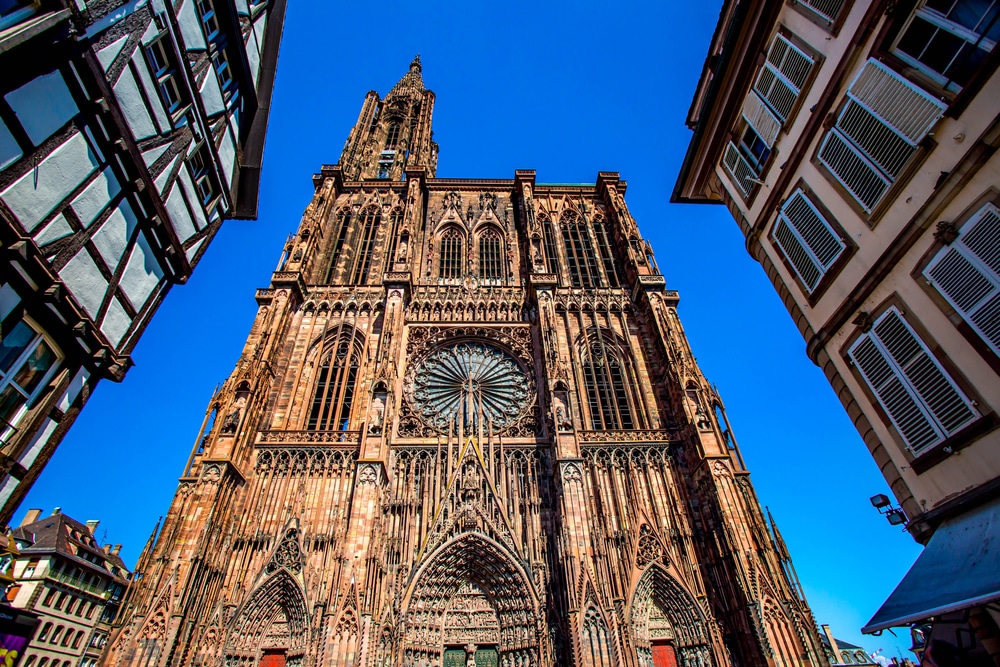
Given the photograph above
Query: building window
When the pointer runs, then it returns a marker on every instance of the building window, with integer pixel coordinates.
(15, 11)
(967, 274)
(491, 259)
(878, 130)
(782, 77)
(607, 255)
(370, 222)
(948, 40)
(806, 239)
(209, 19)
(27, 360)
(828, 10)
(201, 172)
(551, 255)
(334, 393)
(162, 65)
(451, 254)
(392, 138)
(924, 403)
(43, 635)
(338, 246)
(604, 375)
(395, 218)
(220, 61)
(78, 639)
(57, 634)
(580, 257)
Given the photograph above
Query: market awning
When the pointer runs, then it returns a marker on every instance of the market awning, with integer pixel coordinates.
(959, 568)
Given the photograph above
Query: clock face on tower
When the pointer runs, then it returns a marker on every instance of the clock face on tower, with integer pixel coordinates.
(464, 382)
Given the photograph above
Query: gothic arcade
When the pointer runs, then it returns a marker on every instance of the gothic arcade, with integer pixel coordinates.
(443, 445)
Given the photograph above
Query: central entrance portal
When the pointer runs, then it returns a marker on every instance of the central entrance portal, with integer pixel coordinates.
(470, 656)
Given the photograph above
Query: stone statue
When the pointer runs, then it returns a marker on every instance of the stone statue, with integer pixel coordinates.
(375, 416)
(233, 418)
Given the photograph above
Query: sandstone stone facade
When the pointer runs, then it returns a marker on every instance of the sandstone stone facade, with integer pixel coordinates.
(466, 428)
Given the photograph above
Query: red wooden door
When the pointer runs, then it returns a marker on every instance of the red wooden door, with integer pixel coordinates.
(275, 658)
(664, 656)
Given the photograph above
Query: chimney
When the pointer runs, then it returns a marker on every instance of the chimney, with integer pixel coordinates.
(56, 511)
(833, 644)
(115, 549)
(92, 525)
(107, 548)
(31, 517)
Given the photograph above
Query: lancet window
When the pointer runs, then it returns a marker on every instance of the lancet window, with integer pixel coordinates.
(392, 138)
(607, 256)
(390, 256)
(366, 244)
(582, 263)
(337, 373)
(595, 642)
(551, 258)
(344, 220)
(491, 259)
(607, 380)
(451, 254)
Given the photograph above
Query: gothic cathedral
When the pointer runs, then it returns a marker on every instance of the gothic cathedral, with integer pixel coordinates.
(467, 429)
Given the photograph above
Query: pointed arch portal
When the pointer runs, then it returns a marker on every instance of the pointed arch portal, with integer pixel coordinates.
(470, 597)
(667, 624)
(273, 621)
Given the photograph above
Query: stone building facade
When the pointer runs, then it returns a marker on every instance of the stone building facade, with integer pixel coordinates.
(855, 144)
(129, 131)
(466, 429)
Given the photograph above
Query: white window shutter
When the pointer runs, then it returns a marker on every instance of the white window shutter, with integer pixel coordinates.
(807, 239)
(780, 80)
(761, 119)
(828, 9)
(967, 273)
(901, 105)
(853, 169)
(920, 398)
(739, 169)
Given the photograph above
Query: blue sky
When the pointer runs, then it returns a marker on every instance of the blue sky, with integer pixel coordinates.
(568, 91)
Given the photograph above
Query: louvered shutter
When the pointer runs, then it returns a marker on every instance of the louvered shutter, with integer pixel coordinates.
(878, 130)
(807, 239)
(828, 9)
(780, 80)
(739, 169)
(967, 273)
(761, 119)
(920, 398)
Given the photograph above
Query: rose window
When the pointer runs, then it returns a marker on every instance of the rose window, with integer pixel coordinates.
(466, 382)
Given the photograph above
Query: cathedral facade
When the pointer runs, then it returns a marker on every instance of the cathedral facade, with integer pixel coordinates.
(466, 429)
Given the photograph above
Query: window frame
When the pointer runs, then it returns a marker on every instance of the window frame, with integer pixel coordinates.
(451, 255)
(167, 77)
(965, 435)
(938, 248)
(8, 427)
(835, 267)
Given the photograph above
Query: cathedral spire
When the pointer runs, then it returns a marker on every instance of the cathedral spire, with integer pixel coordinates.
(412, 81)
(393, 134)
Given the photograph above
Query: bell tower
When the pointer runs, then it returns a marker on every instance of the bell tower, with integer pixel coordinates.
(393, 134)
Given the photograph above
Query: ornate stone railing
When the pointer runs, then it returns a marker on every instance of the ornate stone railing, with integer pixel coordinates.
(298, 438)
(620, 437)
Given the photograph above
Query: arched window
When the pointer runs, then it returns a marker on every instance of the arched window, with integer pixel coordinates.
(45, 632)
(395, 218)
(43, 662)
(49, 597)
(78, 639)
(344, 219)
(583, 270)
(30, 660)
(451, 254)
(334, 393)
(548, 237)
(62, 600)
(366, 244)
(604, 374)
(595, 642)
(90, 611)
(491, 260)
(392, 138)
(67, 637)
(56, 635)
(607, 255)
